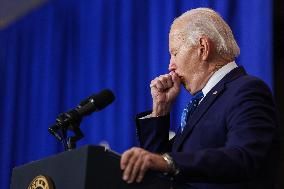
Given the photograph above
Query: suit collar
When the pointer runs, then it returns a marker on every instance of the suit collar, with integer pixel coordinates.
(234, 74)
(218, 75)
(208, 100)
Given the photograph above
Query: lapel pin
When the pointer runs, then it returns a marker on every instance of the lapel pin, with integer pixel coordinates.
(215, 92)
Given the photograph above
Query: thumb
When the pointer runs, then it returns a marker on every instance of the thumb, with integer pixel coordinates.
(176, 79)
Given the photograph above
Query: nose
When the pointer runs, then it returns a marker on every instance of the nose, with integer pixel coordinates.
(172, 65)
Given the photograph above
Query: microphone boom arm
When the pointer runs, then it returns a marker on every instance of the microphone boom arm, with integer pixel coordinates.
(64, 122)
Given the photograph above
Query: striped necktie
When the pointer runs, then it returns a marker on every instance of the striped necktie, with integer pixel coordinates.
(191, 106)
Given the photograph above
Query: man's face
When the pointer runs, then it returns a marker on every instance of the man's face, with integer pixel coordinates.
(184, 58)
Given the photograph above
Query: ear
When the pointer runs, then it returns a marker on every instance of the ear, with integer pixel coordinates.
(205, 49)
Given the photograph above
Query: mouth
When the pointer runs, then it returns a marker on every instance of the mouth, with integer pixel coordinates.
(182, 79)
(180, 76)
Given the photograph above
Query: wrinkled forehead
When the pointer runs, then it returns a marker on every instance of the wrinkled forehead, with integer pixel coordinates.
(179, 28)
(177, 34)
(176, 38)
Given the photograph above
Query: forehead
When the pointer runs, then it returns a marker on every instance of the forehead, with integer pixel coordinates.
(177, 35)
(176, 38)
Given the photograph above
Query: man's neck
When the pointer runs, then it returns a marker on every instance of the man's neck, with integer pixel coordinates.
(218, 75)
(199, 82)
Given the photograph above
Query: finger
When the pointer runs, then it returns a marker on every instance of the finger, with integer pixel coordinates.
(129, 166)
(136, 168)
(167, 81)
(159, 85)
(144, 167)
(124, 158)
(175, 78)
(154, 82)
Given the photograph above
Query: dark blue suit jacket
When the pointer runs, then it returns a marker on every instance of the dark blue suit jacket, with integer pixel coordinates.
(230, 141)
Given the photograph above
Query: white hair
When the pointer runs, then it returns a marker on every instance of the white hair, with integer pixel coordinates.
(207, 22)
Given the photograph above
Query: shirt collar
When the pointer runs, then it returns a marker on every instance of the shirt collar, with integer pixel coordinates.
(217, 76)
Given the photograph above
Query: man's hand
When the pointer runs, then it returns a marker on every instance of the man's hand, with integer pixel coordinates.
(164, 90)
(136, 161)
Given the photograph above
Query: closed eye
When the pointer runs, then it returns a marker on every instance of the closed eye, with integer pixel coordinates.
(174, 53)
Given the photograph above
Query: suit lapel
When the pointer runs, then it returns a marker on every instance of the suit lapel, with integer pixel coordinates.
(205, 104)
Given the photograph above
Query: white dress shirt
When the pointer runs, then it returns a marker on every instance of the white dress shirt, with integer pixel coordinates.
(217, 76)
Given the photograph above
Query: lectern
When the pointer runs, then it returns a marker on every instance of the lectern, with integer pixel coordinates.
(89, 167)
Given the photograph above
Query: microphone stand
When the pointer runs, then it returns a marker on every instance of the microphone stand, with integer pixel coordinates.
(70, 121)
(65, 122)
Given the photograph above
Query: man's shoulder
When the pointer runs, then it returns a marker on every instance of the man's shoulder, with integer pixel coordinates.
(249, 82)
(247, 88)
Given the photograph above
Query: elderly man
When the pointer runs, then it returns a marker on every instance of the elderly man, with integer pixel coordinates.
(227, 136)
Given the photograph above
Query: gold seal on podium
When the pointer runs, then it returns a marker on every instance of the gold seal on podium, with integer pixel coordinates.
(41, 182)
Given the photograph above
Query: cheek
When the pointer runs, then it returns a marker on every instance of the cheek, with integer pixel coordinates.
(181, 61)
(186, 64)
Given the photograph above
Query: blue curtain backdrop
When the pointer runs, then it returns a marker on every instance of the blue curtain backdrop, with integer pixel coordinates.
(66, 50)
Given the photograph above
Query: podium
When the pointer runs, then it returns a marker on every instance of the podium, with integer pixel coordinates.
(89, 167)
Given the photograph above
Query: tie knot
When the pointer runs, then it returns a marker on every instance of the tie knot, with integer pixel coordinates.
(198, 96)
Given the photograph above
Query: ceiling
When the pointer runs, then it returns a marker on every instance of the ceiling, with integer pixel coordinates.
(11, 10)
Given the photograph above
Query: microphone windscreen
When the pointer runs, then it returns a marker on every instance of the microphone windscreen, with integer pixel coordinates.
(102, 99)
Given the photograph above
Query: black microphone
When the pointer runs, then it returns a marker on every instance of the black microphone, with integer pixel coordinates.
(72, 118)
(95, 102)
(92, 104)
